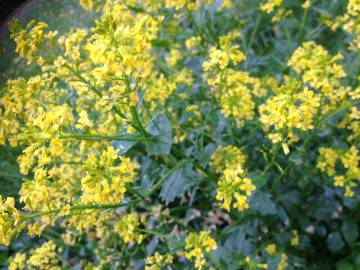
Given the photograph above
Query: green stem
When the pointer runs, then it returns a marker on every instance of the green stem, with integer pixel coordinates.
(275, 152)
(98, 137)
(135, 192)
(80, 207)
(136, 118)
(92, 87)
(162, 180)
(335, 112)
(151, 232)
(302, 27)
(252, 37)
(197, 28)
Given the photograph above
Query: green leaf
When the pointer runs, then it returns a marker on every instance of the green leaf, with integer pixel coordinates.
(180, 181)
(124, 146)
(335, 242)
(344, 265)
(350, 231)
(257, 178)
(261, 202)
(160, 143)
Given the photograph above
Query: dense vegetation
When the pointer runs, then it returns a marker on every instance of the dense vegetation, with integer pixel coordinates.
(185, 135)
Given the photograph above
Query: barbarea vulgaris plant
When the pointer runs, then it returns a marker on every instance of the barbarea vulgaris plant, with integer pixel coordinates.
(153, 138)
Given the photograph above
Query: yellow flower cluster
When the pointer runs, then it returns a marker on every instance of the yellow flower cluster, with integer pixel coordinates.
(24, 101)
(88, 4)
(10, 220)
(105, 180)
(44, 257)
(227, 157)
(126, 227)
(320, 71)
(352, 123)
(292, 109)
(295, 239)
(30, 40)
(233, 89)
(158, 261)
(283, 262)
(198, 244)
(188, 4)
(271, 249)
(251, 264)
(270, 5)
(276, 6)
(233, 185)
(351, 21)
(17, 262)
(221, 57)
(327, 161)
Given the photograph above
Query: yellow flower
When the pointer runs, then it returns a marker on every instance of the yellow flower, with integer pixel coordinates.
(65, 210)
(350, 161)
(158, 261)
(105, 180)
(84, 121)
(320, 70)
(198, 244)
(271, 249)
(228, 157)
(18, 262)
(349, 21)
(291, 109)
(10, 220)
(192, 42)
(295, 238)
(88, 4)
(326, 161)
(306, 4)
(270, 5)
(44, 257)
(232, 186)
(283, 262)
(29, 40)
(126, 227)
(237, 102)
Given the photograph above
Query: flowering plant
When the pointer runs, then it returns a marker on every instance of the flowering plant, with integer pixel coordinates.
(187, 135)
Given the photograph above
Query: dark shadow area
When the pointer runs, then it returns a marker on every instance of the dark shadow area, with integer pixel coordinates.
(7, 7)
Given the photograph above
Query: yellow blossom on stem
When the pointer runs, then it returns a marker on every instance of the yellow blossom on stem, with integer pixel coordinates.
(158, 261)
(349, 159)
(227, 157)
(271, 249)
(17, 262)
(11, 222)
(197, 245)
(233, 186)
(127, 227)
